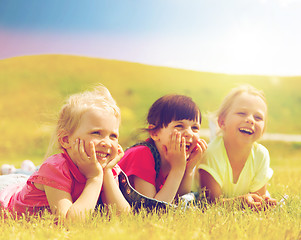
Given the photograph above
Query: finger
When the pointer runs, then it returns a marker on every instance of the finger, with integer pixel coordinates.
(249, 200)
(81, 149)
(257, 198)
(115, 160)
(183, 144)
(271, 201)
(119, 155)
(120, 151)
(92, 151)
(76, 150)
(203, 144)
(176, 141)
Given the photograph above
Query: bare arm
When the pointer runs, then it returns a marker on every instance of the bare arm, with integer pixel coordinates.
(167, 193)
(214, 192)
(61, 203)
(192, 161)
(268, 200)
(212, 188)
(111, 193)
(175, 155)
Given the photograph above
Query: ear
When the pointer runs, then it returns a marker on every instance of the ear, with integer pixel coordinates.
(153, 132)
(221, 122)
(64, 140)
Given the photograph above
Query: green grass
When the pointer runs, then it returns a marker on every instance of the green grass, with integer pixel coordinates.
(33, 89)
(215, 222)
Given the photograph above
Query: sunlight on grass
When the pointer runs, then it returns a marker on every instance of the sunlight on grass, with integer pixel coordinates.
(33, 89)
(215, 222)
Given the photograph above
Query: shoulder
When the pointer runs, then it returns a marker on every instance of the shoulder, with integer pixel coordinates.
(57, 161)
(215, 148)
(260, 155)
(137, 152)
(54, 172)
(216, 143)
(214, 159)
(260, 151)
(53, 166)
(138, 161)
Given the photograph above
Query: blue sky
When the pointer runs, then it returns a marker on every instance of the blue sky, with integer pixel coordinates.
(228, 36)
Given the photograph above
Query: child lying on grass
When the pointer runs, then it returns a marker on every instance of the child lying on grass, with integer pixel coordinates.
(69, 184)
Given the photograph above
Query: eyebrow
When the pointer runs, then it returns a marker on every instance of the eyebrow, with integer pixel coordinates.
(181, 121)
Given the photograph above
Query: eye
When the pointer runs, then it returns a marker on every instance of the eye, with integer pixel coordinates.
(179, 126)
(114, 136)
(195, 128)
(241, 113)
(96, 133)
(258, 118)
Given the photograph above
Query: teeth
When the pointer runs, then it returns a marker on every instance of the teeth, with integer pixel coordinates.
(246, 130)
(102, 155)
(187, 147)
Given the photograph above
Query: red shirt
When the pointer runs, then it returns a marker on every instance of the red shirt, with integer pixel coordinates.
(138, 161)
(58, 171)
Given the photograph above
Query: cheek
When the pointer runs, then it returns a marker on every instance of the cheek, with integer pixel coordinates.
(261, 126)
(195, 137)
(95, 141)
(115, 146)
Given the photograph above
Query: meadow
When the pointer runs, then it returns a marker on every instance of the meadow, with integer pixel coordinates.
(33, 89)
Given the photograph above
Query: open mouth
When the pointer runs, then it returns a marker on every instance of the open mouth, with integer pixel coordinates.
(102, 155)
(246, 131)
(188, 145)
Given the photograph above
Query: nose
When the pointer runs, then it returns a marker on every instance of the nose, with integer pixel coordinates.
(188, 132)
(105, 142)
(250, 119)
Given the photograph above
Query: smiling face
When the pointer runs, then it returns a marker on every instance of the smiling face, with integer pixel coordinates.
(101, 128)
(188, 129)
(245, 119)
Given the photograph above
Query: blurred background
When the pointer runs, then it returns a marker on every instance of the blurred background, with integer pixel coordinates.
(141, 50)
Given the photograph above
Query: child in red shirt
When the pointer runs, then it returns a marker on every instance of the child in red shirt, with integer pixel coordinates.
(173, 124)
(70, 183)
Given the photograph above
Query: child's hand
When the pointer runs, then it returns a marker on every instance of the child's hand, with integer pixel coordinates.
(253, 200)
(269, 202)
(87, 165)
(196, 154)
(115, 160)
(175, 151)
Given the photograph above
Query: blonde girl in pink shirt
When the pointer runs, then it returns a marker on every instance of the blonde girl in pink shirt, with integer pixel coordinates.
(69, 184)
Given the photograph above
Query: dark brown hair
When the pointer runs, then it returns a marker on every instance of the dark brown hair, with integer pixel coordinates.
(172, 108)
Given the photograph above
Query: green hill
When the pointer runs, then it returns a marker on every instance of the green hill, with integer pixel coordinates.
(33, 89)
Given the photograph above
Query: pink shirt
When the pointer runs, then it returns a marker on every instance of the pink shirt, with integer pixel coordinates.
(58, 171)
(139, 161)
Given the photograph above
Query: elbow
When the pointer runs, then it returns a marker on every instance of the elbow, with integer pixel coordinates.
(126, 209)
(77, 215)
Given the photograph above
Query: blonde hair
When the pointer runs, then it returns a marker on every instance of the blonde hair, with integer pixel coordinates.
(75, 106)
(229, 99)
(235, 92)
